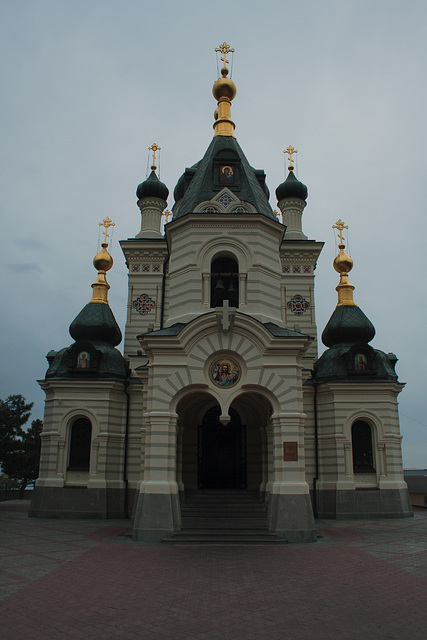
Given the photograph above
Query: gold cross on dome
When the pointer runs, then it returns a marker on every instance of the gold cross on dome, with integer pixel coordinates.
(106, 223)
(340, 226)
(290, 151)
(224, 48)
(167, 214)
(154, 147)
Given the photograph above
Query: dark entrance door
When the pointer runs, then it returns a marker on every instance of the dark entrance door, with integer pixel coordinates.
(222, 452)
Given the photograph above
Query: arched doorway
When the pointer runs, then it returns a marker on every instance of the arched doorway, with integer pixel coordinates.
(235, 455)
(221, 451)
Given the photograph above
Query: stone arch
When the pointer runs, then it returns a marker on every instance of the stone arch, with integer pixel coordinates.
(368, 416)
(362, 447)
(266, 393)
(256, 408)
(224, 281)
(80, 445)
(191, 404)
(74, 475)
(231, 247)
(369, 476)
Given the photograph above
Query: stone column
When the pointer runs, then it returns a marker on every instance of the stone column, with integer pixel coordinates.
(290, 510)
(348, 463)
(158, 513)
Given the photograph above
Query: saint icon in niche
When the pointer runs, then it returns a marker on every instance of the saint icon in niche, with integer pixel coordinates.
(360, 363)
(224, 372)
(83, 360)
(226, 174)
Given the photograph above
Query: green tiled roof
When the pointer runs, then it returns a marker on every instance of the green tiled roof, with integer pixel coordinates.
(96, 332)
(198, 184)
(347, 335)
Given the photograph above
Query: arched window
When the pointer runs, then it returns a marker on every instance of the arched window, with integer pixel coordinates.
(224, 282)
(80, 439)
(363, 459)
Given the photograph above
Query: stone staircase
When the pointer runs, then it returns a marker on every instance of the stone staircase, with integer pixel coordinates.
(223, 517)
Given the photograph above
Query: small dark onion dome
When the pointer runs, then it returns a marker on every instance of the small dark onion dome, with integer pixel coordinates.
(291, 188)
(152, 188)
(348, 325)
(96, 323)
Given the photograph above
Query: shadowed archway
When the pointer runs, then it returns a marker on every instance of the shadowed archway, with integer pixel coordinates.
(221, 451)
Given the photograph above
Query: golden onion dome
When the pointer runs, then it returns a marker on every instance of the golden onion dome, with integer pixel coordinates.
(103, 261)
(343, 263)
(224, 87)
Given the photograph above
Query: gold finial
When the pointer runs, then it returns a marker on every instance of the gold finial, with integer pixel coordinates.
(224, 48)
(224, 91)
(103, 262)
(343, 264)
(167, 215)
(106, 223)
(290, 151)
(154, 147)
(340, 226)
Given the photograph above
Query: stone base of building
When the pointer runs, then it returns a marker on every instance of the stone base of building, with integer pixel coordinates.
(156, 516)
(364, 503)
(77, 502)
(290, 517)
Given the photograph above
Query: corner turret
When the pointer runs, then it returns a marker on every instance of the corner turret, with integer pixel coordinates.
(348, 333)
(95, 332)
(152, 195)
(291, 199)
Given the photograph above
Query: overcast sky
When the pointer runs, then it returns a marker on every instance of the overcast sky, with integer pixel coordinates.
(88, 86)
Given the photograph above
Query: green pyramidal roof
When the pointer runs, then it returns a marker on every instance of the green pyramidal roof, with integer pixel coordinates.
(223, 165)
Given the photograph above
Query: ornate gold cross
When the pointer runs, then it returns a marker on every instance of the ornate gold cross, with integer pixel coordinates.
(290, 151)
(106, 223)
(340, 226)
(167, 214)
(154, 147)
(224, 48)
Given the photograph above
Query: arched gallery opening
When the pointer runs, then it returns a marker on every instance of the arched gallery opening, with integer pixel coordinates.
(227, 451)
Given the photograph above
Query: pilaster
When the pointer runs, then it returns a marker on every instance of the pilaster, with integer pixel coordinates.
(157, 513)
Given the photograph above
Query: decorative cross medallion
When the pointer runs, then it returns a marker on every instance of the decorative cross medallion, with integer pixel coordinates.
(290, 151)
(340, 226)
(225, 199)
(298, 305)
(224, 48)
(144, 304)
(106, 223)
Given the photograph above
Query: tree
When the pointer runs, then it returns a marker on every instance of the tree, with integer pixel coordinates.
(14, 413)
(19, 449)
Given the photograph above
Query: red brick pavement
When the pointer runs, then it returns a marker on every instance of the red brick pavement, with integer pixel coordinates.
(119, 590)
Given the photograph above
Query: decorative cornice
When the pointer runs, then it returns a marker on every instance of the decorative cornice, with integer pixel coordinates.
(247, 221)
(300, 255)
(153, 202)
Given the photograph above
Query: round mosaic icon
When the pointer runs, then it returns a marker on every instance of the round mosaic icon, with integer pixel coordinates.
(224, 372)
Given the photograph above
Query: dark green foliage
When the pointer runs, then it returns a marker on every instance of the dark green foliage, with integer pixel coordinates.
(19, 449)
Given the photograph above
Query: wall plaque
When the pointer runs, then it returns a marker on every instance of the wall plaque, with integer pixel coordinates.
(290, 451)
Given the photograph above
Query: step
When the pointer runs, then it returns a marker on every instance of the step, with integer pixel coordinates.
(223, 538)
(223, 524)
(223, 517)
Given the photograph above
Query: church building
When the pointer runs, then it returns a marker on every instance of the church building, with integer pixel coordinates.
(220, 420)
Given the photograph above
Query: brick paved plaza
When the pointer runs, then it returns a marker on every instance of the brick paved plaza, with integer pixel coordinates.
(86, 579)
